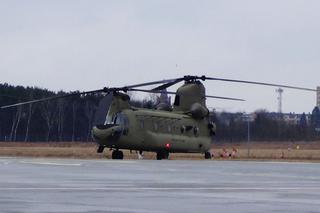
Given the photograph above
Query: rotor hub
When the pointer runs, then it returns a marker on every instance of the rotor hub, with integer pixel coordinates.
(193, 78)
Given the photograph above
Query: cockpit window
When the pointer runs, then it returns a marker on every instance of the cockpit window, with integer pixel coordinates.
(109, 119)
(118, 119)
(122, 120)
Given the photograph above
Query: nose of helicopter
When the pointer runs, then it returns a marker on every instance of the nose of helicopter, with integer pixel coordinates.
(107, 133)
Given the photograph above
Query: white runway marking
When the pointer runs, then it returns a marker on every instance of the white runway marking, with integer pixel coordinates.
(114, 161)
(285, 162)
(50, 163)
(126, 188)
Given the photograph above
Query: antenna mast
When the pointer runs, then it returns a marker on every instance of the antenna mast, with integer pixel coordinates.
(279, 91)
(318, 96)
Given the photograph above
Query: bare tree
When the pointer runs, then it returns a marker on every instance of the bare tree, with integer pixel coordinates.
(48, 113)
(61, 111)
(15, 125)
(74, 113)
(30, 112)
(89, 112)
(12, 127)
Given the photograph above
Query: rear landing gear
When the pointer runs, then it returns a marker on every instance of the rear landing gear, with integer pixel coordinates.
(117, 154)
(140, 155)
(207, 155)
(162, 154)
(100, 149)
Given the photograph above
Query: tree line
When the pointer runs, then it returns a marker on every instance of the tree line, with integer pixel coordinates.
(57, 120)
(71, 119)
(265, 126)
(65, 119)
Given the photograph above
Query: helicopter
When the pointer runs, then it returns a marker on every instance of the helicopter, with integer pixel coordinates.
(183, 128)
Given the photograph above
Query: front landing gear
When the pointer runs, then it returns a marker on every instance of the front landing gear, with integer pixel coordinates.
(162, 154)
(207, 155)
(117, 154)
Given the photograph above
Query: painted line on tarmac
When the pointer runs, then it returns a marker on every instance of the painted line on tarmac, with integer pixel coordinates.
(50, 163)
(159, 188)
(75, 164)
(286, 162)
(112, 161)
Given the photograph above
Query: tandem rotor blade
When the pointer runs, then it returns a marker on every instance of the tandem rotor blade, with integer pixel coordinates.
(51, 98)
(152, 91)
(190, 78)
(260, 83)
(169, 84)
(151, 83)
(174, 93)
(165, 84)
(226, 98)
(105, 90)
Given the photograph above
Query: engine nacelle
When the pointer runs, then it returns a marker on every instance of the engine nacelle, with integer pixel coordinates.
(198, 111)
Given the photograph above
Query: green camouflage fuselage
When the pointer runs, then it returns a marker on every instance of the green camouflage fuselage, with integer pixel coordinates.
(153, 130)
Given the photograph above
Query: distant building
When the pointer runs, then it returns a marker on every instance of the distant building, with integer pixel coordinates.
(289, 118)
(292, 118)
(318, 96)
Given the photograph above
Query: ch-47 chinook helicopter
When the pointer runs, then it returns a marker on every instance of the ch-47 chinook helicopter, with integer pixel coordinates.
(184, 128)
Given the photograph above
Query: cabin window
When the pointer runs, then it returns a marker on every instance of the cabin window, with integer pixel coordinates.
(141, 124)
(183, 129)
(155, 126)
(196, 131)
(177, 100)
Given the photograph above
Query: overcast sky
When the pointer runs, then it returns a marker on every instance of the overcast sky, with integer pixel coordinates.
(83, 45)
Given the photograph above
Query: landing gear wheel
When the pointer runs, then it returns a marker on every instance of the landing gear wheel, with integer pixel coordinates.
(159, 156)
(100, 149)
(116, 154)
(207, 155)
(120, 155)
(163, 154)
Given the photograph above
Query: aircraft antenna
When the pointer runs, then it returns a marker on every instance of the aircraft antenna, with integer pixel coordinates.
(279, 91)
(318, 96)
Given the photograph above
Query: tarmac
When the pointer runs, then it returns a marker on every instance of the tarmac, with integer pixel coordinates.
(116, 186)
